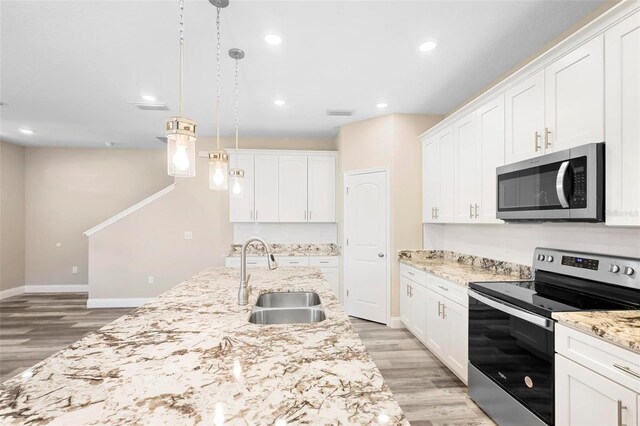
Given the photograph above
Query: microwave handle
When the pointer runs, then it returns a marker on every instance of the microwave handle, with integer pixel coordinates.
(513, 310)
(560, 178)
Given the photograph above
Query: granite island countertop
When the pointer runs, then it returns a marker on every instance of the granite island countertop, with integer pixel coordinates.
(461, 268)
(190, 356)
(257, 249)
(618, 327)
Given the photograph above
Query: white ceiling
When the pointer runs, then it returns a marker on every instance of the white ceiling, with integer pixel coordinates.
(70, 70)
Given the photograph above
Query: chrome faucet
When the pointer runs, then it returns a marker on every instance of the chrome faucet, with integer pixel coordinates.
(243, 291)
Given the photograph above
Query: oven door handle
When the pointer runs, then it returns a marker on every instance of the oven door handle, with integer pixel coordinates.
(560, 178)
(513, 310)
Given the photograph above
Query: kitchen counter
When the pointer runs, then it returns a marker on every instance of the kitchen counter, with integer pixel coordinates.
(257, 249)
(190, 356)
(619, 327)
(461, 268)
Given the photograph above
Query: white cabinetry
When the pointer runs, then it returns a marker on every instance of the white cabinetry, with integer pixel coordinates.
(243, 209)
(322, 189)
(467, 169)
(413, 301)
(438, 178)
(490, 126)
(266, 188)
(597, 383)
(622, 88)
(293, 188)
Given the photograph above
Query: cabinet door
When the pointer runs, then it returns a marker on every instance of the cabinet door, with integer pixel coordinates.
(446, 197)
(524, 119)
(583, 397)
(622, 68)
(467, 169)
(418, 300)
(575, 98)
(405, 306)
(333, 278)
(322, 189)
(437, 334)
(266, 188)
(293, 188)
(458, 350)
(430, 179)
(242, 209)
(490, 126)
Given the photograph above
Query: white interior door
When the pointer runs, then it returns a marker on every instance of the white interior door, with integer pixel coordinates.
(366, 259)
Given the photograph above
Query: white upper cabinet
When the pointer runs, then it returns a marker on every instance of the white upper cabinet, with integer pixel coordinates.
(575, 98)
(490, 127)
(622, 86)
(266, 188)
(524, 119)
(242, 209)
(322, 189)
(438, 178)
(444, 210)
(467, 169)
(430, 179)
(293, 188)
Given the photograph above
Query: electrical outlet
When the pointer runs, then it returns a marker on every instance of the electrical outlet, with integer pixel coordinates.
(74, 269)
(188, 235)
(150, 279)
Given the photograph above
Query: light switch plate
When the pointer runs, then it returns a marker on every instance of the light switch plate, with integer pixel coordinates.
(74, 270)
(150, 279)
(188, 235)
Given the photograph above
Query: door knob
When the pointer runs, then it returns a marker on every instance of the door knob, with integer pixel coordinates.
(380, 254)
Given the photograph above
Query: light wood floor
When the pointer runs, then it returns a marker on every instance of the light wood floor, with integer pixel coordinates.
(35, 326)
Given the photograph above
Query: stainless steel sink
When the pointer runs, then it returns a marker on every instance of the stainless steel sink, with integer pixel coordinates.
(287, 316)
(299, 299)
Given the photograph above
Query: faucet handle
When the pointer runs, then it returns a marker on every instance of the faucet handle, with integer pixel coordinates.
(271, 260)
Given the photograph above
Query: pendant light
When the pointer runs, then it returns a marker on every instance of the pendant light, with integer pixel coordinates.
(180, 131)
(236, 175)
(218, 159)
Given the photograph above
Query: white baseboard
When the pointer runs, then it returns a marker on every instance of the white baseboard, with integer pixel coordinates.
(57, 288)
(15, 291)
(395, 322)
(117, 303)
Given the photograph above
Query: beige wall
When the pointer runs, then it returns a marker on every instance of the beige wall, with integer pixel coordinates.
(70, 190)
(390, 141)
(150, 241)
(12, 208)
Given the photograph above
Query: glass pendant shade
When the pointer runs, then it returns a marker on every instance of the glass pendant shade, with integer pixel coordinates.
(236, 183)
(218, 170)
(181, 147)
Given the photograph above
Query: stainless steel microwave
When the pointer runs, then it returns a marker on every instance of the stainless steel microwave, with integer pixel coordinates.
(563, 186)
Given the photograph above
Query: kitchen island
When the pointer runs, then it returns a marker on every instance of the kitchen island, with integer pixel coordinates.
(190, 356)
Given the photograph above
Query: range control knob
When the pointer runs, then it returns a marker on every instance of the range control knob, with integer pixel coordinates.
(541, 257)
(614, 268)
(628, 270)
(549, 258)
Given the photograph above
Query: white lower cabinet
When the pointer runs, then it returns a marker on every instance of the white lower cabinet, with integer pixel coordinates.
(436, 312)
(596, 382)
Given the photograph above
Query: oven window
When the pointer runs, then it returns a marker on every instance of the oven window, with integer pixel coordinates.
(530, 189)
(515, 354)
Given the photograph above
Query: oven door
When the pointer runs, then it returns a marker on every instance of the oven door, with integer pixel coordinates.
(515, 349)
(566, 185)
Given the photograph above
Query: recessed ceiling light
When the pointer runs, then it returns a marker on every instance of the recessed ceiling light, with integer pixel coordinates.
(109, 144)
(273, 39)
(27, 131)
(279, 102)
(428, 46)
(382, 105)
(149, 98)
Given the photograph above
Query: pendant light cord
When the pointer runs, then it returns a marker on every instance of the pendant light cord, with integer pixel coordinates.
(181, 56)
(218, 78)
(236, 103)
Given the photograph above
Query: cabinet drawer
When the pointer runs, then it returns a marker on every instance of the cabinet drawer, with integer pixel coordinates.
(324, 261)
(252, 262)
(413, 274)
(293, 261)
(452, 291)
(604, 358)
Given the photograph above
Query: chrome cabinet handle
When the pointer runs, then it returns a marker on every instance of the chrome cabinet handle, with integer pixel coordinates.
(256, 214)
(627, 370)
(443, 311)
(443, 287)
(309, 214)
(536, 136)
(437, 213)
(476, 209)
(439, 309)
(562, 172)
(433, 214)
(470, 211)
(547, 132)
(410, 291)
(324, 261)
(620, 408)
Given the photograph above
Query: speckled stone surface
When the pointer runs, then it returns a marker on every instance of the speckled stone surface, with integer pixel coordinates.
(257, 249)
(619, 327)
(463, 268)
(189, 356)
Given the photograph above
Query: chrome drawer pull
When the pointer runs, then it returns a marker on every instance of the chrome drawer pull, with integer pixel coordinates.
(620, 408)
(627, 370)
(439, 308)
(443, 288)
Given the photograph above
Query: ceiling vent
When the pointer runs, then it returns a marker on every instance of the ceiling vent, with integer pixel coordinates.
(151, 107)
(340, 112)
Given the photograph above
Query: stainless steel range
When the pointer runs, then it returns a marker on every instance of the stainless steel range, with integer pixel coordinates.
(511, 330)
